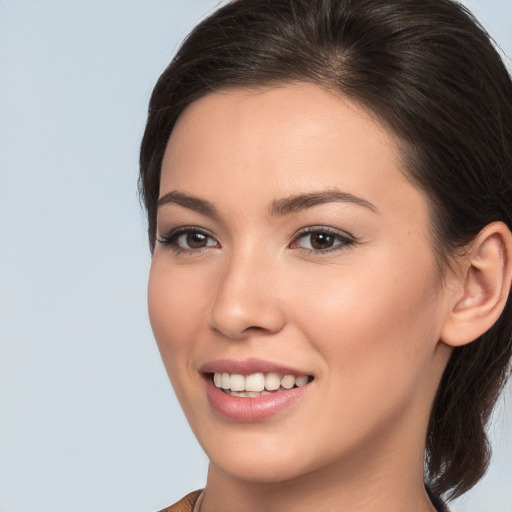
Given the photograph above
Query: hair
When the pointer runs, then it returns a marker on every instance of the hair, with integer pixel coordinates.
(431, 74)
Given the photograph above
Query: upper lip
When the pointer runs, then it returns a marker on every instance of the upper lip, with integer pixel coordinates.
(248, 367)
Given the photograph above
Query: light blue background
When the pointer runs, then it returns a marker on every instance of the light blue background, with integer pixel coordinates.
(88, 421)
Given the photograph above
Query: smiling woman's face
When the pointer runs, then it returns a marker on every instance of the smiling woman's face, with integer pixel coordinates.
(290, 243)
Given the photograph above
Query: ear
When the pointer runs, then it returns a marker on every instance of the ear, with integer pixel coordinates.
(482, 286)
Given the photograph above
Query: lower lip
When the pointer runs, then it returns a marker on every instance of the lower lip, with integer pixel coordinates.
(247, 409)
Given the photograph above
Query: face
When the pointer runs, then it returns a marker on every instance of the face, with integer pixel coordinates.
(293, 292)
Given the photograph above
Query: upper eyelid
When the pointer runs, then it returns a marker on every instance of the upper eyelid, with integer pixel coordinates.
(346, 240)
(186, 229)
(175, 232)
(326, 229)
(169, 238)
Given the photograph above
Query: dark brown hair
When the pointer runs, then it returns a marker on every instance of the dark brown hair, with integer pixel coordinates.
(429, 72)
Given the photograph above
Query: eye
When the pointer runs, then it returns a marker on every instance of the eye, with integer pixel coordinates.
(188, 239)
(322, 240)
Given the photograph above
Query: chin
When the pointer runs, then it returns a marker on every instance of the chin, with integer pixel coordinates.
(267, 458)
(264, 470)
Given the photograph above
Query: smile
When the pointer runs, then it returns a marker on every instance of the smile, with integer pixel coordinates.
(253, 390)
(257, 384)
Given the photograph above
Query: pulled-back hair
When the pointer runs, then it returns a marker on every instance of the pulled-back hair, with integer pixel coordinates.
(429, 72)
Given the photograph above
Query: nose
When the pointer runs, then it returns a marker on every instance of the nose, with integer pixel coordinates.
(247, 300)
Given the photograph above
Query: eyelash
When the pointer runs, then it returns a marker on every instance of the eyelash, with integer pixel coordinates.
(171, 239)
(345, 240)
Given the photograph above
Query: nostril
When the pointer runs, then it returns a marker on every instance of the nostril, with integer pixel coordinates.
(240, 314)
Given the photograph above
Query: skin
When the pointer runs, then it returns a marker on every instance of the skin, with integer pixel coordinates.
(364, 318)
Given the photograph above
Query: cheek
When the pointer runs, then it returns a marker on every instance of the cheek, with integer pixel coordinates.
(376, 335)
(174, 309)
(373, 324)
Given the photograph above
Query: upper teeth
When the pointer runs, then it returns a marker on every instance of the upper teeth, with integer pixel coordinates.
(257, 382)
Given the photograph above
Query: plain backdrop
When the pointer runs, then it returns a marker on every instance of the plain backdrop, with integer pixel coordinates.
(88, 420)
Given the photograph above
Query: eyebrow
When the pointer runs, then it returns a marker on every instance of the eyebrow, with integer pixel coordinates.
(192, 203)
(278, 207)
(303, 201)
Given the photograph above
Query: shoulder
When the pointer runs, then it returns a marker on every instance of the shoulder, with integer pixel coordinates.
(186, 504)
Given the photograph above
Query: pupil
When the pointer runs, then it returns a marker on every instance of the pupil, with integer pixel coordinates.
(196, 240)
(321, 241)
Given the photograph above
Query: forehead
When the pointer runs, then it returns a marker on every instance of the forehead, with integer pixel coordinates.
(289, 139)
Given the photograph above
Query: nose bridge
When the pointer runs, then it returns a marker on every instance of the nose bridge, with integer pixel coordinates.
(247, 300)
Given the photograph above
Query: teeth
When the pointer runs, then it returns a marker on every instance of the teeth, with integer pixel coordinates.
(248, 394)
(224, 383)
(288, 381)
(237, 382)
(256, 384)
(300, 381)
(272, 381)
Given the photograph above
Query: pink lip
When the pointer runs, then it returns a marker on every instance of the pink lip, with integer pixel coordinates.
(248, 366)
(250, 409)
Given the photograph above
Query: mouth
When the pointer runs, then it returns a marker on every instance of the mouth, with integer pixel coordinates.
(254, 390)
(256, 385)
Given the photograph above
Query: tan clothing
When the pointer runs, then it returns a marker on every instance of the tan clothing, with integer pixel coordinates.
(186, 504)
(191, 502)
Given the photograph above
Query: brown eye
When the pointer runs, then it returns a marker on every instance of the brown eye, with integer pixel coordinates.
(194, 240)
(188, 239)
(322, 240)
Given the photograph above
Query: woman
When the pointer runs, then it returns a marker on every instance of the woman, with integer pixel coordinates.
(329, 187)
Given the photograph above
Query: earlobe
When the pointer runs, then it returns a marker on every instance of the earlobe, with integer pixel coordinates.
(484, 285)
